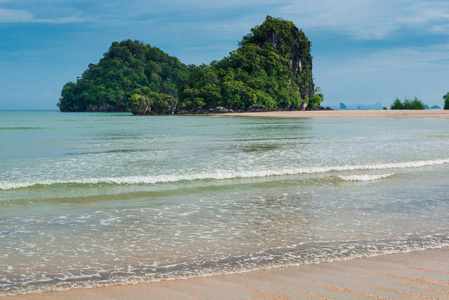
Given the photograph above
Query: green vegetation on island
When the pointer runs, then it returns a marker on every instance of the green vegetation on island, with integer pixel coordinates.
(414, 103)
(446, 101)
(270, 70)
(127, 69)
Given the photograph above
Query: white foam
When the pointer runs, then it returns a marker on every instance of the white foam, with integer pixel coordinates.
(365, 177)
(222, 174)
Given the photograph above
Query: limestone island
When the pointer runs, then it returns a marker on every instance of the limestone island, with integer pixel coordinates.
(271, 70)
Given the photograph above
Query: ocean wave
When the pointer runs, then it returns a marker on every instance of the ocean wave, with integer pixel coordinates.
(224, 174)
(365, 177)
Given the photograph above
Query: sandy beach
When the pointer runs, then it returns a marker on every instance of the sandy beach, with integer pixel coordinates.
(434, 113)
(415, 275)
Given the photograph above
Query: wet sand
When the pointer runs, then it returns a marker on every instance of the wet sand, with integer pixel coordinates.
(415, 275)
(433, 113)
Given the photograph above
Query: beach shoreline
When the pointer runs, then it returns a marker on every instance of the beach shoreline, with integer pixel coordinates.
(434, 113)
(414, 275)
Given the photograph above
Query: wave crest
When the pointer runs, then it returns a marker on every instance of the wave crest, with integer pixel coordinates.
(228, 174)
(365, 177)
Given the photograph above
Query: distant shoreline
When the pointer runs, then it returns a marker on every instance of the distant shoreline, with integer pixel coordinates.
(429, 113)
(433, 113)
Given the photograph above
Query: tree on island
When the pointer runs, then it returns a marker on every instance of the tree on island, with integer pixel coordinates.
(415, 103)
(446, 101)
(316, 99)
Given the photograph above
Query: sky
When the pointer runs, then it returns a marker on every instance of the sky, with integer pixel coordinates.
(364, 51)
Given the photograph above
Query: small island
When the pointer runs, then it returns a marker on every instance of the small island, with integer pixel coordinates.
(271, 70)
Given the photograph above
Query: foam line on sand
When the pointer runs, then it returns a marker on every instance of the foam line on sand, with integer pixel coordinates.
(415, 275)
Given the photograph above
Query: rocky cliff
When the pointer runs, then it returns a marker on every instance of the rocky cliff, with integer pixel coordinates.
(272, 68)
(289, 41)
(153, 104)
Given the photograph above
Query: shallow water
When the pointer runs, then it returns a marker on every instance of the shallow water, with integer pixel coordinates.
(91, 199)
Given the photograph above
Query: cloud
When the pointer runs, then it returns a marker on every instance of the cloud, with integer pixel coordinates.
(63, 20)
(14, 16)
(363, 20)
(424, 12)
(371, 19)
(407, 58)
(22, 16)
(390, 62)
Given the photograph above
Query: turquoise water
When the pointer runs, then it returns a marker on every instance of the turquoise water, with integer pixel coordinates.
(91, 199)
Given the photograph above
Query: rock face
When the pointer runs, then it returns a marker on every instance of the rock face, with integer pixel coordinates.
(104, 107)
(257, 108)
(141, 106)
(202, 111)
(300, 58)
(154, 104)
(220, 110)
(290, 42)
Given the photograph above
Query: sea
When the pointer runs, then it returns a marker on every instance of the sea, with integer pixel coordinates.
(98, 199)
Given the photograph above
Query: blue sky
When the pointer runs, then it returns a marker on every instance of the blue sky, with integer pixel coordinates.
(364, 51)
